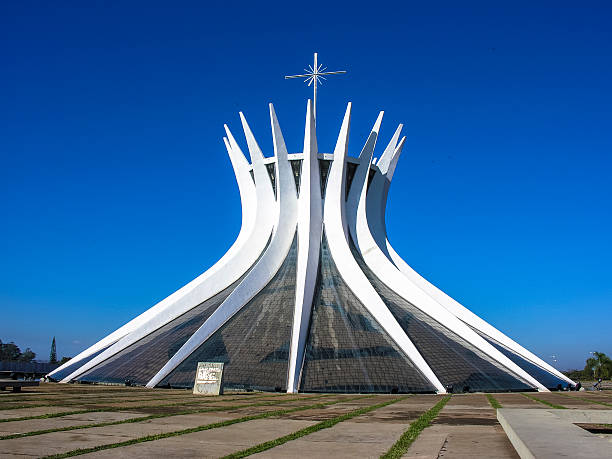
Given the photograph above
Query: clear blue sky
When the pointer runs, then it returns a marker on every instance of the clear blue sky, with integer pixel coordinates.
(115, 187)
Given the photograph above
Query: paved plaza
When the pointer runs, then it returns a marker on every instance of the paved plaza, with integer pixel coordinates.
(112, 421)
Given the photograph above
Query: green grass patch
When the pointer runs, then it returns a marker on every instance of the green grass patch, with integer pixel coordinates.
(544, 402)
(183, 401)
(493, 401)
(71, 402)
(308, 430)
(401, 446)
(152, 416)
(215, 425)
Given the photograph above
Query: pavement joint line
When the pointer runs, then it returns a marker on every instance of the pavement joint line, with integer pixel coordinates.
(96, 402)
(176, 433)
(309, 430)
(493, 401)
(76, 401)
(588, 400)
(544, 402)
(115, 408)
(400, 447)
(177, 393)
(153, 416)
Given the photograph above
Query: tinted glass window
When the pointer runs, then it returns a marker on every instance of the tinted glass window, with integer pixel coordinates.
(347, 350)
(459, 366)
(254, 343)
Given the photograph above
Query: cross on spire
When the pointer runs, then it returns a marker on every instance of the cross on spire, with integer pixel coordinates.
(314, 76)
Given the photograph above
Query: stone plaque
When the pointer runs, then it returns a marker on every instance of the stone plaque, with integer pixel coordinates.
(209, 379)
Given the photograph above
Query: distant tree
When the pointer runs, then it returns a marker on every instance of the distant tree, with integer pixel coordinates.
(576, 375)
(27, 356)
(64, 360)
(53, 355)
(9, 351)
(599, 366)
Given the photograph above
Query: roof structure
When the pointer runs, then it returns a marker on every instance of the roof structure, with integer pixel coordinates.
(311, 296)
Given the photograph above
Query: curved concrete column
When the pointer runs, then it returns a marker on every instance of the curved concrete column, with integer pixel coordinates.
(334, 220)
(236, 261)
(269, 263)
(387, 272)
(309, 228)
(376, 207)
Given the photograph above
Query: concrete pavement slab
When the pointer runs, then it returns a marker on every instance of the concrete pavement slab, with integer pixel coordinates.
(7, 428)
(12, 414)
(462, 442)
(547, 434)
(518, 401)
(209, 443)
(345, 440)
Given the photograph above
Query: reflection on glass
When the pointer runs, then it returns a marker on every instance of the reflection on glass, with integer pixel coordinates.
(548, 380)
(254, 343)
(459, 366)
(140, 361)
(347, 350)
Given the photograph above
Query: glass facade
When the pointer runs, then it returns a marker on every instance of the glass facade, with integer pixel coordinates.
(324, 165)
(271, 168)
(351, 168)
(254, 343)
(139, 362)
(296, 167)
(547, 379)
(73, 366)
(459, 366)
(346, 349)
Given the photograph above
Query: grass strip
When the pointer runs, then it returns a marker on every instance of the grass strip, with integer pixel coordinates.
(493, 401)
(152, 416)
(75, 403)
(183, 399)
(401, 446)
(112, 409)
(588, 400)
(544, 402)
(308, 430)
(176, 433)
(154, 394)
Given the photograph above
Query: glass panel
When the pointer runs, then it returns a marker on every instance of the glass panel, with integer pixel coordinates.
(271, 167)
(254, 343)
(73, 366)
(460, 366)
(324, 171)
(140, 361)
(547, 379)
(347, 350)
(351, 168)
(296, 166)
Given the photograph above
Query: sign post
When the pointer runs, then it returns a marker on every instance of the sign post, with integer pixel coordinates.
(209, 379)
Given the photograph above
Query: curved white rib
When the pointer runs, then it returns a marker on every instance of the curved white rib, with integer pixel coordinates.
(229, 272)
(269, 263)
(469, 317)
(392, 277)
(223, 273)
(337, 236)
(309, 241)
(376, 206)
